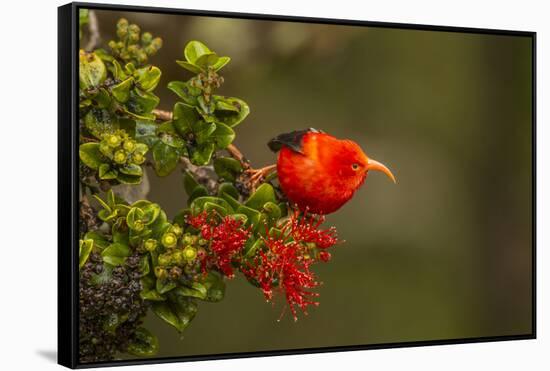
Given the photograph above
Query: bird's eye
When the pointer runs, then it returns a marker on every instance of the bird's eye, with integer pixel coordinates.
(355, 166)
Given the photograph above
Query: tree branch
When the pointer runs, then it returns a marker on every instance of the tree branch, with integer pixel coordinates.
(94, 31)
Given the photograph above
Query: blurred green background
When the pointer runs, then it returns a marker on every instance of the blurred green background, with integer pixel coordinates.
(444, 254)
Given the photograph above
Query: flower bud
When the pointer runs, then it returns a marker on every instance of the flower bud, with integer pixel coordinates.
(122, 23)
(169, 239)
(178, 257)
(164, 259)
(157, 43)
(202, 241)
(150, 245)
(176, 229)
(161, 273)
(146, 38)
(113, 140)
(132, 49)
(112, 44)
(138, 158)
(187, 239)
(190, 253)
(138, 225)
(120, 156)
(129, 145)
(175, 273)
(141, 56)
(324, 256)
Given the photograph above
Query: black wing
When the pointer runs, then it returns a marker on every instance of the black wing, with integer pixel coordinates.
(292, 140)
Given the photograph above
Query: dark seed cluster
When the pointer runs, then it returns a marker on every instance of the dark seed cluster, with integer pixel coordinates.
(110, 307)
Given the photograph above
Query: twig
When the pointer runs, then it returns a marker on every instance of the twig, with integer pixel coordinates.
(94, 31)
(162, 115)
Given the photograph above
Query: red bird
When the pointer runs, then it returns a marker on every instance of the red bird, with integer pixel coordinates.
(318, 172)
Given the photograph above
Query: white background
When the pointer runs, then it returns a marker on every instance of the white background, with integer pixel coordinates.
(28, 181)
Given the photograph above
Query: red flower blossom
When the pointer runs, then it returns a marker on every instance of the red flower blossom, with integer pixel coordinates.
(305, 228)
(285, 263)
(226, 239)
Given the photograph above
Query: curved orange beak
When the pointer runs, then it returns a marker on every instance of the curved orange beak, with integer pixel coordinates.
(375, 165)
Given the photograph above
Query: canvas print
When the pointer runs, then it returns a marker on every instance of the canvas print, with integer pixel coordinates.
(255, 185)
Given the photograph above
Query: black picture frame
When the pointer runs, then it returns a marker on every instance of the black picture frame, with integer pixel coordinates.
(68, 219)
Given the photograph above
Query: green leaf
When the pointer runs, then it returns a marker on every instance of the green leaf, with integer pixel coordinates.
(102, 98)
(159, 226)
(209, 207)
(203, 135)
(194, 50)
(172, 140)
(223, 135)
(272, 212)
(231, 117)
(84, 250)
(131, 169)
(206, 60)
(99, 122)
(190, 67)
(199, 203)
(196, 290)
(215, 286)
(121, 91)
(185, 91)
(230, 200)
(119, 72)
(222, 61)
(152, 295)
(99, 240)
(264, 193)
(199, 191)
(185, 118)
(176, 313)
(150, 213)
(148, 77)
(145, 132)
(189, 182)
(164, 286)
(128, 179)
(227, 168)
(252, 215)
(90, 155)
(229, 189)
(142, 102)
(92, 71)
(135, 215)
(115, 254)
(165, 158)
(208, 107)
(105, 172)
(251, 247)
(143, 343)
(201, 154)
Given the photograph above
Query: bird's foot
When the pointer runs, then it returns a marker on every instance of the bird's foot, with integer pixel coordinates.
(256, 176)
